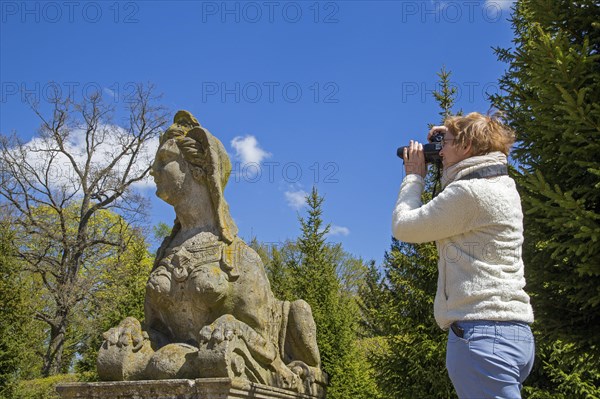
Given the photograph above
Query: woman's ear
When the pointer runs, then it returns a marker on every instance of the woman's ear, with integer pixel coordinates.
(466, 149)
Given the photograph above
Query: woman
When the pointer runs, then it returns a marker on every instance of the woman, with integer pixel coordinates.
(477, 224)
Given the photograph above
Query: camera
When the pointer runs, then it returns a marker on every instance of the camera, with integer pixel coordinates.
(431, 150)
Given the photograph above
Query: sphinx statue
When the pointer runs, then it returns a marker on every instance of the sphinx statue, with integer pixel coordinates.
(209, 308)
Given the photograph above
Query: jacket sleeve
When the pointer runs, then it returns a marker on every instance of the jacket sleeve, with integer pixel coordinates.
(450, 213)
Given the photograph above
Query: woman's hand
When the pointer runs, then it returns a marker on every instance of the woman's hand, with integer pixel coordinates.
(435, 130)
(414, 159)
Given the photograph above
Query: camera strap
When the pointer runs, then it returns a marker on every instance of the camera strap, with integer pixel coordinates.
(487, 172)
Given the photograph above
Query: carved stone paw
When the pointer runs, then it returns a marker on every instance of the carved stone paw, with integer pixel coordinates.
(288, 379)
(224, 328)
(124, 353)
(312, 380)
(127, 333)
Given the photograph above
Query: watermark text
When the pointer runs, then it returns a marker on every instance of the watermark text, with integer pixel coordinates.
(118, 12)
(270, 92)
(252, 12)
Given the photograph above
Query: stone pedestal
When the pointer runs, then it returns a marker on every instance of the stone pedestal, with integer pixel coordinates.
(202, 388)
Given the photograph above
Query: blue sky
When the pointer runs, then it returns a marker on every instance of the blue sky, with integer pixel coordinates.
(301, 93)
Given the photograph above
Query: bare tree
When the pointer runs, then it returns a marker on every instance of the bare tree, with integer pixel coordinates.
(80, 164)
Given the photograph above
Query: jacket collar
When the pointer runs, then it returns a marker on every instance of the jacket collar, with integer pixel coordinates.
(470, 165)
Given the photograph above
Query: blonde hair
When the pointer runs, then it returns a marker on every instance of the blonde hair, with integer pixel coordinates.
(485, 133)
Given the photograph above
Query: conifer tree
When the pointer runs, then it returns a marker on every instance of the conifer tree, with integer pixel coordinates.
(552, 100)
(316, 282)
(315, 266)
(21, 336)
(278, 260)
(316, 279)
(12, 313)
(373, 302)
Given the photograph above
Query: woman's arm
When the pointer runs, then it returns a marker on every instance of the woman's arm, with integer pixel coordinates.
(450, 213)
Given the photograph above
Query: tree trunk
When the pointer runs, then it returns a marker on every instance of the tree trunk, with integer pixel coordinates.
(53, 358)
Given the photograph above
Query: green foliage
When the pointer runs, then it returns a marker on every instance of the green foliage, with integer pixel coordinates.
(374, 302)
(122, 293)
(100, 266)
(12, 313)
(42, 388)
(563, 373)
(278, 261)
(21, 336)
(356, 377)
(160, 231)
(552, 101)
(113, 279)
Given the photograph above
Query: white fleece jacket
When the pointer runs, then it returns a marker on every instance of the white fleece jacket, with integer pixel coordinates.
(477, 225)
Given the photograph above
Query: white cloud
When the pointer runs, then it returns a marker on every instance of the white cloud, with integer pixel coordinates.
(62, 173)
(148, 158)
(296, 199)
(338, 231)
(502, 4)
(247, 149)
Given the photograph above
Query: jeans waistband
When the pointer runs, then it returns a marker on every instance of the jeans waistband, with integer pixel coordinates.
(459, 327)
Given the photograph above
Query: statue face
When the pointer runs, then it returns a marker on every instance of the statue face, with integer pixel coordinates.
(169, 171)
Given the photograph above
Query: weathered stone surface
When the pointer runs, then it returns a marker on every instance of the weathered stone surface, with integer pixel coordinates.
(209, 308)
(204, 388)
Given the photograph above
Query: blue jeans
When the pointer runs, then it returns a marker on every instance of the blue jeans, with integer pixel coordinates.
(491, 360)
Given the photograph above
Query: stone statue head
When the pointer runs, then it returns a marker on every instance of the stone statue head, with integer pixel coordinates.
(208, 163)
